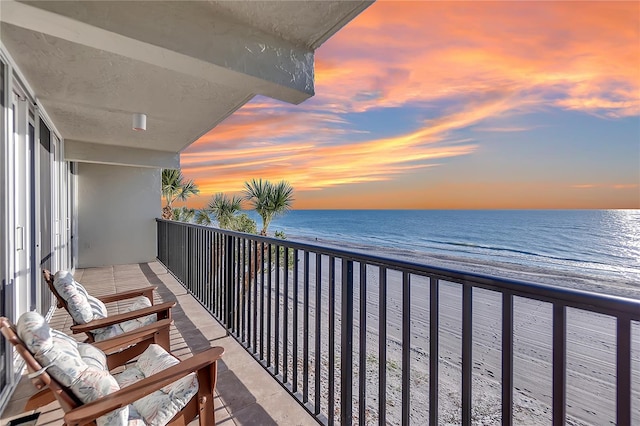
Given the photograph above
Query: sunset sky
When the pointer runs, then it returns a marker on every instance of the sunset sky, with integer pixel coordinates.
(438, 105)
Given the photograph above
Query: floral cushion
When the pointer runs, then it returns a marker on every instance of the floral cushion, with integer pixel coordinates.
(80, 367)
(84, 308)
(160, 406)
(83, 368)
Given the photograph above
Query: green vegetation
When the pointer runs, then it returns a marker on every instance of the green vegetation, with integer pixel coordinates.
(243, 223)
(224, 209)
(183, 214)
(268, 200)
(175, 188)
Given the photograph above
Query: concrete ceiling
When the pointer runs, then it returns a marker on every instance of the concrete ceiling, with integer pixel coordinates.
(186, 64)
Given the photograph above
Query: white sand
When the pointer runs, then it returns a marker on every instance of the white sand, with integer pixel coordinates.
(590, 349)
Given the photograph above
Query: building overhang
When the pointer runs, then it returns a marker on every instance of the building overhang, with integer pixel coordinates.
(187, 65)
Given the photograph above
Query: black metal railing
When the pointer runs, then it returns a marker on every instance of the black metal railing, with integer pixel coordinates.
(364, 339)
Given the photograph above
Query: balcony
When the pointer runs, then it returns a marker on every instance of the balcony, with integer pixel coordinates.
(508, 352)
(354, 337)
(246, 392)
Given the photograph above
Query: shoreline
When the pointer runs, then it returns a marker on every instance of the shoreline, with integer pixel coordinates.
(612, 285)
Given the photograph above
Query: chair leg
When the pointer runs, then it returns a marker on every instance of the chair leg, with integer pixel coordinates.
(206, 384)
(163, 339)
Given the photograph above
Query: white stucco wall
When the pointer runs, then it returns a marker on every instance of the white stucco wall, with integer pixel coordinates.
(117, 207)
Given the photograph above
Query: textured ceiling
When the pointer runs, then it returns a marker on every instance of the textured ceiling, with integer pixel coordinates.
(186, 64)
(307, 23)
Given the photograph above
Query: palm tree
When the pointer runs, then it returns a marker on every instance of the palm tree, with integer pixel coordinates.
(203, 217)
(174, 187)
(183, 214)
(224, 209)
(268, 200)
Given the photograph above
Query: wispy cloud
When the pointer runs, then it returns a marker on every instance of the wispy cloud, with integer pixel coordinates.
(504, 129)
(606, 186)
(462, 65)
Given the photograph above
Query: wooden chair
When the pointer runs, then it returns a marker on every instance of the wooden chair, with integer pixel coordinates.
(107, 298)
(118, 351)
(163, 310)
(203, 364)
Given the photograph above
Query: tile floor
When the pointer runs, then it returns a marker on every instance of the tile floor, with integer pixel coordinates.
(247, 395)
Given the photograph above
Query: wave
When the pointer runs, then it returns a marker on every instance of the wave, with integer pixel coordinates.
(621, 283)
(511, 250)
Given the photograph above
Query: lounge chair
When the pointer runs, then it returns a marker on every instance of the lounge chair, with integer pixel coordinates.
(157, 389)
(90, 313)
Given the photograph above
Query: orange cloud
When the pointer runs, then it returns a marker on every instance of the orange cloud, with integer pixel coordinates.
(607, 186)
(580, 55)
(466, 63)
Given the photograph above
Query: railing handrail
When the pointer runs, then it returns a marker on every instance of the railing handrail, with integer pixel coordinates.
(596, 302)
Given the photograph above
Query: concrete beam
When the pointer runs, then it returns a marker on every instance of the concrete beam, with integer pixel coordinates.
(191, 40)
(86, 152)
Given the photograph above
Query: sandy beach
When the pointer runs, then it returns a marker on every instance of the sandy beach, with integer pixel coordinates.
(590, 349)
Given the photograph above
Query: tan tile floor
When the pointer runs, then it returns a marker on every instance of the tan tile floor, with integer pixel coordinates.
(247, 393)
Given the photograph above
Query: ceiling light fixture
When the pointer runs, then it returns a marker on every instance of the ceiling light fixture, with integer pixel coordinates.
(139, 122)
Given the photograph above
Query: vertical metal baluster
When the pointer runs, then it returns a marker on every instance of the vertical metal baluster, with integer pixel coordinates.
(623, 371)
(467, 365)
(434, 357)
(215, 265)
(382, 347)
(507, 359)
(269, 297)
(199, 257)
(362, 405)
(406, 347)
(208, 268)
(255, 297)
(285, 318)
(262, 297)
(318, 315)
(559, 363)
(228, 310)
(194, 263)
(247, 291)
(332, 338)
(243, 289)
(236, 286)
(305, 332)
(346, 347)
(294, 372)
(276, 343)
(221, 267)
(186, 259)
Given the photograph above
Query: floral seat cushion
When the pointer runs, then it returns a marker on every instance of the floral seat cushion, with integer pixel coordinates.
(83, 369)
(160, 406)
(79, 366)
(84, 308)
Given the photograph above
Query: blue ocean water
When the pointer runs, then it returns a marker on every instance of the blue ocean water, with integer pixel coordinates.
(588, 243)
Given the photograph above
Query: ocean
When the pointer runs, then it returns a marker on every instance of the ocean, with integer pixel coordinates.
(590, 249)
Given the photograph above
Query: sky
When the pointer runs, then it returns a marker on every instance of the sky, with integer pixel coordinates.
(450, 105)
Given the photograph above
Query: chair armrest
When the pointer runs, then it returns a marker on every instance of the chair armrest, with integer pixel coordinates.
(163, 310)
(87, 413)
(130, 294)
(132, 337)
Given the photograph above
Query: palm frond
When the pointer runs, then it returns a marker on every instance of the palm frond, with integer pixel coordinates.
(174, 186)
(224, 208)
(268, 200)
(183, 214)
(203, 217)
